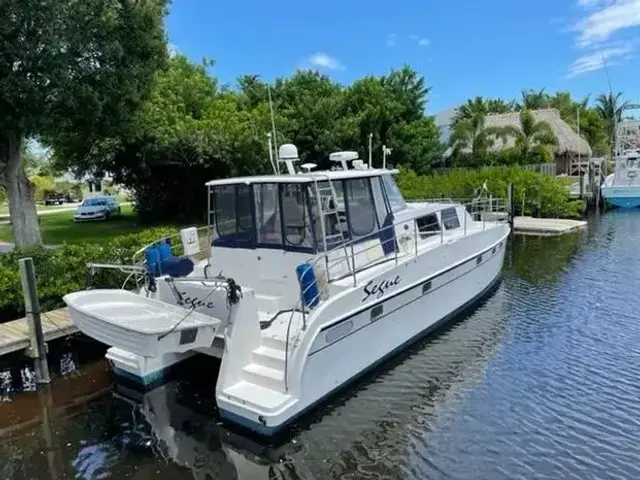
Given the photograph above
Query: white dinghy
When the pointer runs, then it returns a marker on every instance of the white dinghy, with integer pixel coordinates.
(138, 324)
(309, 280)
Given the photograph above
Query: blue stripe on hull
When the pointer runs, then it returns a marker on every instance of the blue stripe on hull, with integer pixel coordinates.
(272, 431)
(624, 202)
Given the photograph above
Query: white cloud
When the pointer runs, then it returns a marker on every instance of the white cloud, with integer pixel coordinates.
(322, 60)
(392, 39)
(602, 19)
(424, 42)
(595, 59)
(599, 25)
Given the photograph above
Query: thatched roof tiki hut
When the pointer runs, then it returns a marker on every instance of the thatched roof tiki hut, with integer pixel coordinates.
(572, 151)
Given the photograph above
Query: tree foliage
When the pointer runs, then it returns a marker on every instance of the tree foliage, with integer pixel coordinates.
(534, 140)
(191, 130)
(71, 74)
(610, 108)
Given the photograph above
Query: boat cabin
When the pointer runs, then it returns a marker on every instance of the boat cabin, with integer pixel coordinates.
(263, 227)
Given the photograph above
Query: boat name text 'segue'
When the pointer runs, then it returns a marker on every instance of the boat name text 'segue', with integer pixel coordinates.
(379, 288)
(193, 302)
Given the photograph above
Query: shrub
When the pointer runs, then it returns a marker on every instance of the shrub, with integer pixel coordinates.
(528, 186)
(62, 270)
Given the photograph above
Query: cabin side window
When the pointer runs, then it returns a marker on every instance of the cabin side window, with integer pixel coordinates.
(268, 223)
(362, 213)
(450, 218)
(233, 215)
(428, 225)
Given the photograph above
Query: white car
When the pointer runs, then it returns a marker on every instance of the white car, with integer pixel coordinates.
(97, 208)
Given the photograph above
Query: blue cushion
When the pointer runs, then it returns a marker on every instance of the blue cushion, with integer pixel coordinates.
(176, 266)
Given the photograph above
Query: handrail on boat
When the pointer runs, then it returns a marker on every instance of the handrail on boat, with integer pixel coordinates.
(477, 208)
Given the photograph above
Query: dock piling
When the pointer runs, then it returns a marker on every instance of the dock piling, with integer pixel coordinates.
(38, 349)
(511, 205)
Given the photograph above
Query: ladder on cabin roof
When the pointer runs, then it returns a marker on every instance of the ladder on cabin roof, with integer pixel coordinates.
(327, 200)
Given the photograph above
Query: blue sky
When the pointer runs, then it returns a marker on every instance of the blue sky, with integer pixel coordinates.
(464, 48)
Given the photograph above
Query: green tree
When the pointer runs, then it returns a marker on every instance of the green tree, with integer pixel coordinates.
(71, 72)
(610, 109)
(534, 100)
(480, 105)
(471, 140)
(534, 140)
(415, 144)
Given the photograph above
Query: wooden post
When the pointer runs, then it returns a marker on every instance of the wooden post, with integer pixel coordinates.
(38, 350)
(511, 205)
(539, 202)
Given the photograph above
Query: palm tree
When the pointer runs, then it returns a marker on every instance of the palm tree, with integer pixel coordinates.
(471, 136)
(483, 106)
(609, 108)
(532, 138)
(534, 100)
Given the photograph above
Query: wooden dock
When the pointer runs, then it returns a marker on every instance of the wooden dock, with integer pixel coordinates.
(546, 226)
(14, 335)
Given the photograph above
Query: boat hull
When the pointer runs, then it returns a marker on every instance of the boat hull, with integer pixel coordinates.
(622, 197)
(412, 315)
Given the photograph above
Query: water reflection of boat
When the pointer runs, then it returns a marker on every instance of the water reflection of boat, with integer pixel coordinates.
(380, 412)
(188, 435)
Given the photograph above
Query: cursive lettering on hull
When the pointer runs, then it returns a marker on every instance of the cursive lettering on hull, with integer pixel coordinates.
(377, 289)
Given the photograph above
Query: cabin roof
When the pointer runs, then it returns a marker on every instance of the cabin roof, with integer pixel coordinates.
(303, 177)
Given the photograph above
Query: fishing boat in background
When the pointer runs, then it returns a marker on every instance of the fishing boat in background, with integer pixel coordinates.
(307, 280)
(622, 187)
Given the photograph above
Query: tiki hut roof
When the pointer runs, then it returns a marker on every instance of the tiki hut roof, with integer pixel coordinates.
(568, 140)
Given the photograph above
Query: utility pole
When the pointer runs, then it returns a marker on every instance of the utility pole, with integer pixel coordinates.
(370, 142)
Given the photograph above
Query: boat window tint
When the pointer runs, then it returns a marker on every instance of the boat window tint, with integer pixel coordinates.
(232, 211)
(297, 229)
(244, 207)
(268, 214)
(393, 193)
(428, 225)
(450, 218)
(362, 214)
(382, 210)
(225, 209)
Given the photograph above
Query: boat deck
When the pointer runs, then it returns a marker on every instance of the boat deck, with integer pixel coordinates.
(14, 335)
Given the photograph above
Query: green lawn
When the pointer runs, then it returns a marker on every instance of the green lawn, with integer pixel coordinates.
(59, 227)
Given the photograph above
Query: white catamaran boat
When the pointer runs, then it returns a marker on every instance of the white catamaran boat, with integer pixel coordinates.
(310, 279)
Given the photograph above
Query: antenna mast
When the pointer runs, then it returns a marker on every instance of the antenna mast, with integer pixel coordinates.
(273, 130)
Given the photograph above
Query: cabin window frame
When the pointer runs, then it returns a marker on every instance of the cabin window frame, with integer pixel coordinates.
(231, 240)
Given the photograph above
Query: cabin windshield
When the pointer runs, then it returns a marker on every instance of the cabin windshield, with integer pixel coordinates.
(262, 215)
(288, 216)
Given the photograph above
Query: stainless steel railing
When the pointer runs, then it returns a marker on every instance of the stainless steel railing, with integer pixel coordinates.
(487, 210)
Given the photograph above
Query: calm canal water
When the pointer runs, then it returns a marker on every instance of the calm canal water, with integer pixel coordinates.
(540, 381)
